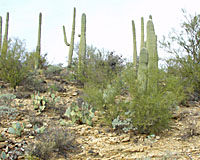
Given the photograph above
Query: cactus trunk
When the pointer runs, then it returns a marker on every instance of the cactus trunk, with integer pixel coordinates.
(0, 32)
(143, 71)
(82, 45)
(38, 48)
(153, 57)
(71, 47)
(5, 38)
(134, 48)
(142, 34)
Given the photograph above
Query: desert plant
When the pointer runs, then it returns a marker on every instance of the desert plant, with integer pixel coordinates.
(71, 48)
(0, 32)
(6, 99)
(39, 102)
(58, 140)
(5, 38)
(80, 114)
(82, 47)
(16, 128)
(38, 48)
(13, 64)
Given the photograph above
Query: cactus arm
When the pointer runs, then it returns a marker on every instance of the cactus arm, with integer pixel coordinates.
(65, 37)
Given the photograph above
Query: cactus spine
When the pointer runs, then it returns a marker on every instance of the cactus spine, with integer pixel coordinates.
(38, 48)
(134, 47)
(71, 45)
(142, 34)
(5, 38)
(82, 45)
(143, 70)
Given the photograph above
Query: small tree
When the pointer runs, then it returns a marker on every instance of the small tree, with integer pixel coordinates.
(185, 49)
(13, 64)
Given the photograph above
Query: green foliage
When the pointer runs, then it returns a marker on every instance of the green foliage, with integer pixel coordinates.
(16, 128)
(53, 70)
(3, 155)
(11, 113)
(40, 103)
(13, 64)
(39, 130)
(80, 114)
(6, 99)
(183, 46)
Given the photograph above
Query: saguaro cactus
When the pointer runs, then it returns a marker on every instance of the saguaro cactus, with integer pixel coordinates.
(71, 45)
(142, 34)
(143, 70)
(82, 45)
(5, 38)
(0, 32)
(134, 47)
(38, 48)
(153, 57)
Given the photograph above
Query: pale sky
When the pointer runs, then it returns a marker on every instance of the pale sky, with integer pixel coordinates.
(108, 23)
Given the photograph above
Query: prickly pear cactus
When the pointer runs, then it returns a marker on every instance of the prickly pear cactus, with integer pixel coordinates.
(143, 70)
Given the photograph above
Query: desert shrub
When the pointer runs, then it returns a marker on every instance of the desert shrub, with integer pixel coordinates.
(59, 140)
(183, 46)
(13, 64)
(53, 70)
(121, 105)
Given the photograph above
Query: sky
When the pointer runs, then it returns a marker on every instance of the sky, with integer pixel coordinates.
(108, 22)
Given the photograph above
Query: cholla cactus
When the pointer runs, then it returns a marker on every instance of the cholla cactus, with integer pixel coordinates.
(71, 45)
(5, 38)
(38, 48)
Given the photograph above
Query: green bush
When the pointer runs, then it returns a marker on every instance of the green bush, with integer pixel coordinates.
(13, 66)
(122, 106)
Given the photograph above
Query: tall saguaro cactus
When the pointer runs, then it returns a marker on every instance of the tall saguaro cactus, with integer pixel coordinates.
(38, 48)
(0, 32)
(153, 57)
(143, 70)
(134, 47)
(71, 45)
(5, 38)
(82, 45)
(142, 34)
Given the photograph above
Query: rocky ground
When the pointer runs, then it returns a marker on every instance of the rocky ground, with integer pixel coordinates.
(181, 141)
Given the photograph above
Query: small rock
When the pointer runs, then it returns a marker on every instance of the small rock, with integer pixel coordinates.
(31, 137)
(29, 125)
